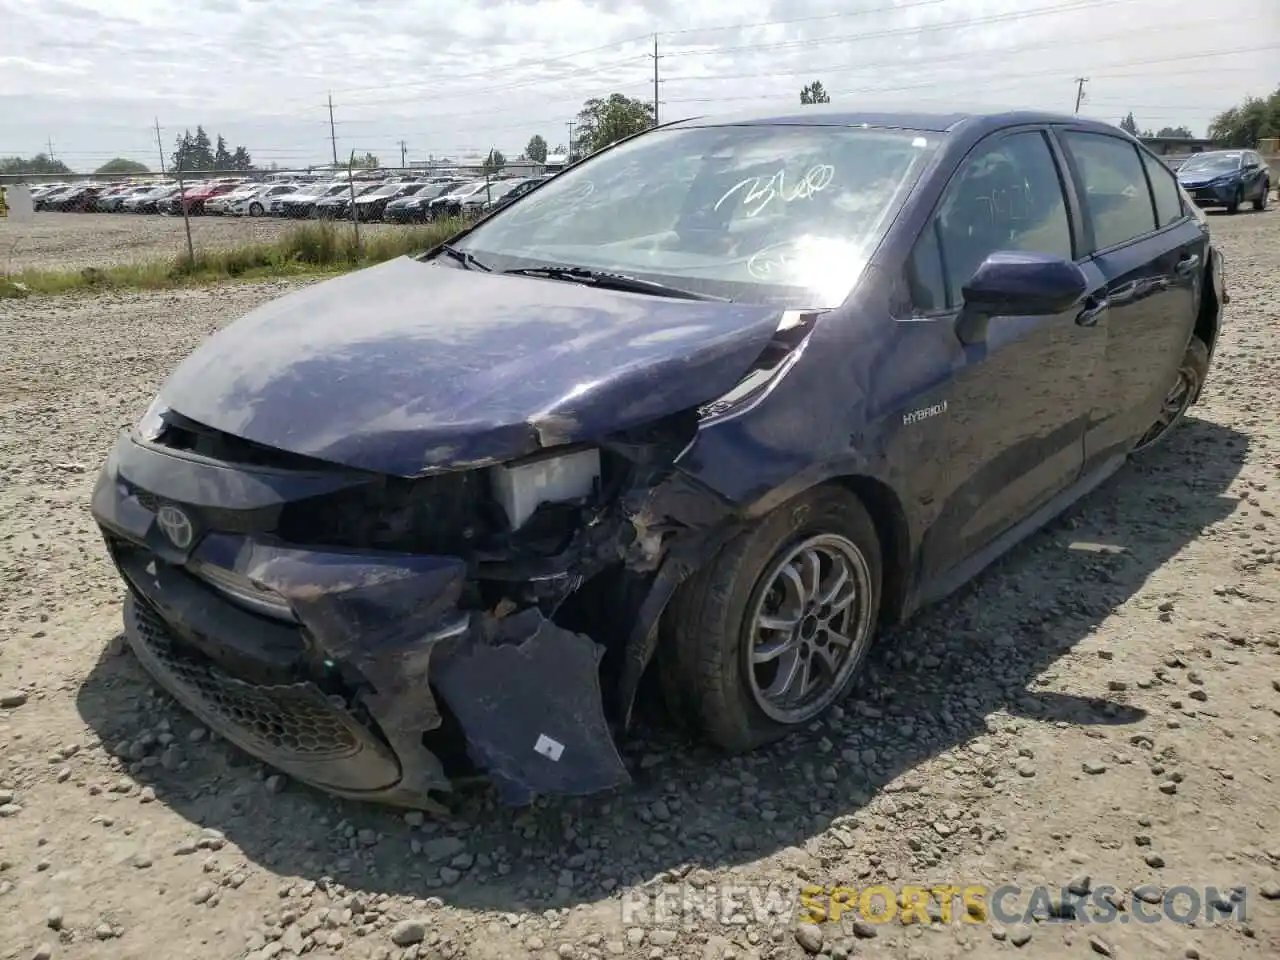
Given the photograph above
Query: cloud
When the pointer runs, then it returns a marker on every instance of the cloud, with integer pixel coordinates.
(461, 77)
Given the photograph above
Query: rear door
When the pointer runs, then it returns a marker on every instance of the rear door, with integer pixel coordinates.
(1255, 176)
(1008, 434)
(1149, 251)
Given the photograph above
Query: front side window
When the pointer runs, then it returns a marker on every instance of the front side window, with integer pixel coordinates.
(1007, 195)
(1164, 186)
(1115, 187)
(756, 213)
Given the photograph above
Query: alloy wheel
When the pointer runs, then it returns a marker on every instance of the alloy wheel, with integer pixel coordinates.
(809, 628)
(1176, 403)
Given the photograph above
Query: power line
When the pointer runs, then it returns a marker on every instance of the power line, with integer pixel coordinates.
(947, 25)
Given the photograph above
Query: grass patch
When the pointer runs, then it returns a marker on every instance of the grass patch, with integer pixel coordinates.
(306, 250)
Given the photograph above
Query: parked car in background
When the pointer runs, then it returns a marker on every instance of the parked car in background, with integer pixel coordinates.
(1227, 178)
(255, 204)
(78, 198)
(108, 199)
(413, 208)
(519, 190)
(338, 204)
(482, 200)
(438, 516)
(301, 203)
(220, 205)
(116, 202)
(150, 201)
(371, 205)
(450, 204)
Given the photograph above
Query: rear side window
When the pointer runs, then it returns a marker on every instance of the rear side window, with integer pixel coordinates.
(1115, 187)
(1165, 188)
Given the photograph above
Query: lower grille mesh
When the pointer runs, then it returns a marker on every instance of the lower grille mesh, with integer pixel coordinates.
(285, 722)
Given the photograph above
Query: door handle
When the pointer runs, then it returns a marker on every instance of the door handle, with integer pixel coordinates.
(1095, 307)
(1187, 265)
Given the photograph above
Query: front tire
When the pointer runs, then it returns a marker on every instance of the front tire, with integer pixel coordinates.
(1234, 205)
(776, 627)
(1188, 381)
(255, 210)
(1261, 203)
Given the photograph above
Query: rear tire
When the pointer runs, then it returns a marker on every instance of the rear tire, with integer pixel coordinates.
(797, 595)
(1188, 382)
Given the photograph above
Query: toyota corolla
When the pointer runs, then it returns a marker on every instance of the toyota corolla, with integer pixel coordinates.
(716, 403)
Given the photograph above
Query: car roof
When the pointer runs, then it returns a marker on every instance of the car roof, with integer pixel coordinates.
(927, 121)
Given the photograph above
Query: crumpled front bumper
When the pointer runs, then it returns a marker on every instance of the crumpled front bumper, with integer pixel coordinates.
(341, 690)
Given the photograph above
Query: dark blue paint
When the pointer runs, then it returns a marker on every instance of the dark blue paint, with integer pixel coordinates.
(413, 366)
(409, 366)
(1248, 182)
(1011, 283)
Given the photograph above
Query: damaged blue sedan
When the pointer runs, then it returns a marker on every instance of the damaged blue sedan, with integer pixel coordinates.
(710, 407)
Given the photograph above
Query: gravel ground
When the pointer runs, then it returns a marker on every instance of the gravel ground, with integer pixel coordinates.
(1101, 710)
(75, 240)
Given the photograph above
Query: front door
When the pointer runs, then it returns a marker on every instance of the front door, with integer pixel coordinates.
(1018, 404)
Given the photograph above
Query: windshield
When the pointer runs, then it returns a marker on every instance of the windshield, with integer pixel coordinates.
(387, 190)
(1211, 163)
(767, 214)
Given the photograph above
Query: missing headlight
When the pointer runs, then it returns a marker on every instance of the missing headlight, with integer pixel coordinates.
(520, 488)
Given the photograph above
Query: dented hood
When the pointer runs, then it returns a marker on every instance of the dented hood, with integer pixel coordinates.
(408, 366)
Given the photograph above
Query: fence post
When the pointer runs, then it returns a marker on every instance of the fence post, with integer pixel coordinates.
(351, 185)
(186, 220)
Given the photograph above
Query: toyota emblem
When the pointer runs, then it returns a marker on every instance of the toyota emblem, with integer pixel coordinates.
(176, 525)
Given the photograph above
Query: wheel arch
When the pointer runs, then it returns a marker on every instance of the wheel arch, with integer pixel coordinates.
(1209, 314)
(887, 513)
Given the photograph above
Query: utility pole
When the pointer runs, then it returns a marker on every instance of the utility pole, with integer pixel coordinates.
(571, 124)
(403, 148)
(50, 141)
(333, 135)
(160, 147)
(656, 58)
(1080, 82)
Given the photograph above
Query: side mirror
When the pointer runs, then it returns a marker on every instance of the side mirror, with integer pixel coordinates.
(1014, 283)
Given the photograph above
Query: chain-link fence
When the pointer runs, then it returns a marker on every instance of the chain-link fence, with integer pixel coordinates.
(199, 221)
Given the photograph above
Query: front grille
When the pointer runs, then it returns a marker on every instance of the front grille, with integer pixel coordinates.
(287, 720)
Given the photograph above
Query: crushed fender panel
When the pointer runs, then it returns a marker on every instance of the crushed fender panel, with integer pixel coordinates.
(529, 702)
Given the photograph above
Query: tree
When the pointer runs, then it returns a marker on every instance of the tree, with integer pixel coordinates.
(367, 162)
(494, 162)
(602, 122)
(197, 154)
(1258, 118)
(1129, 125)
(536, 149)
(221, 155)
(1183, 132)
(39, 164)
(814, 93)
(121, 166)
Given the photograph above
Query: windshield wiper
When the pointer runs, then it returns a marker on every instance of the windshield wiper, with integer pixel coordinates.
(612, 281)
(464, 258)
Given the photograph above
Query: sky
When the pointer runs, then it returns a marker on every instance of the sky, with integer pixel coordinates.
(92, 78)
